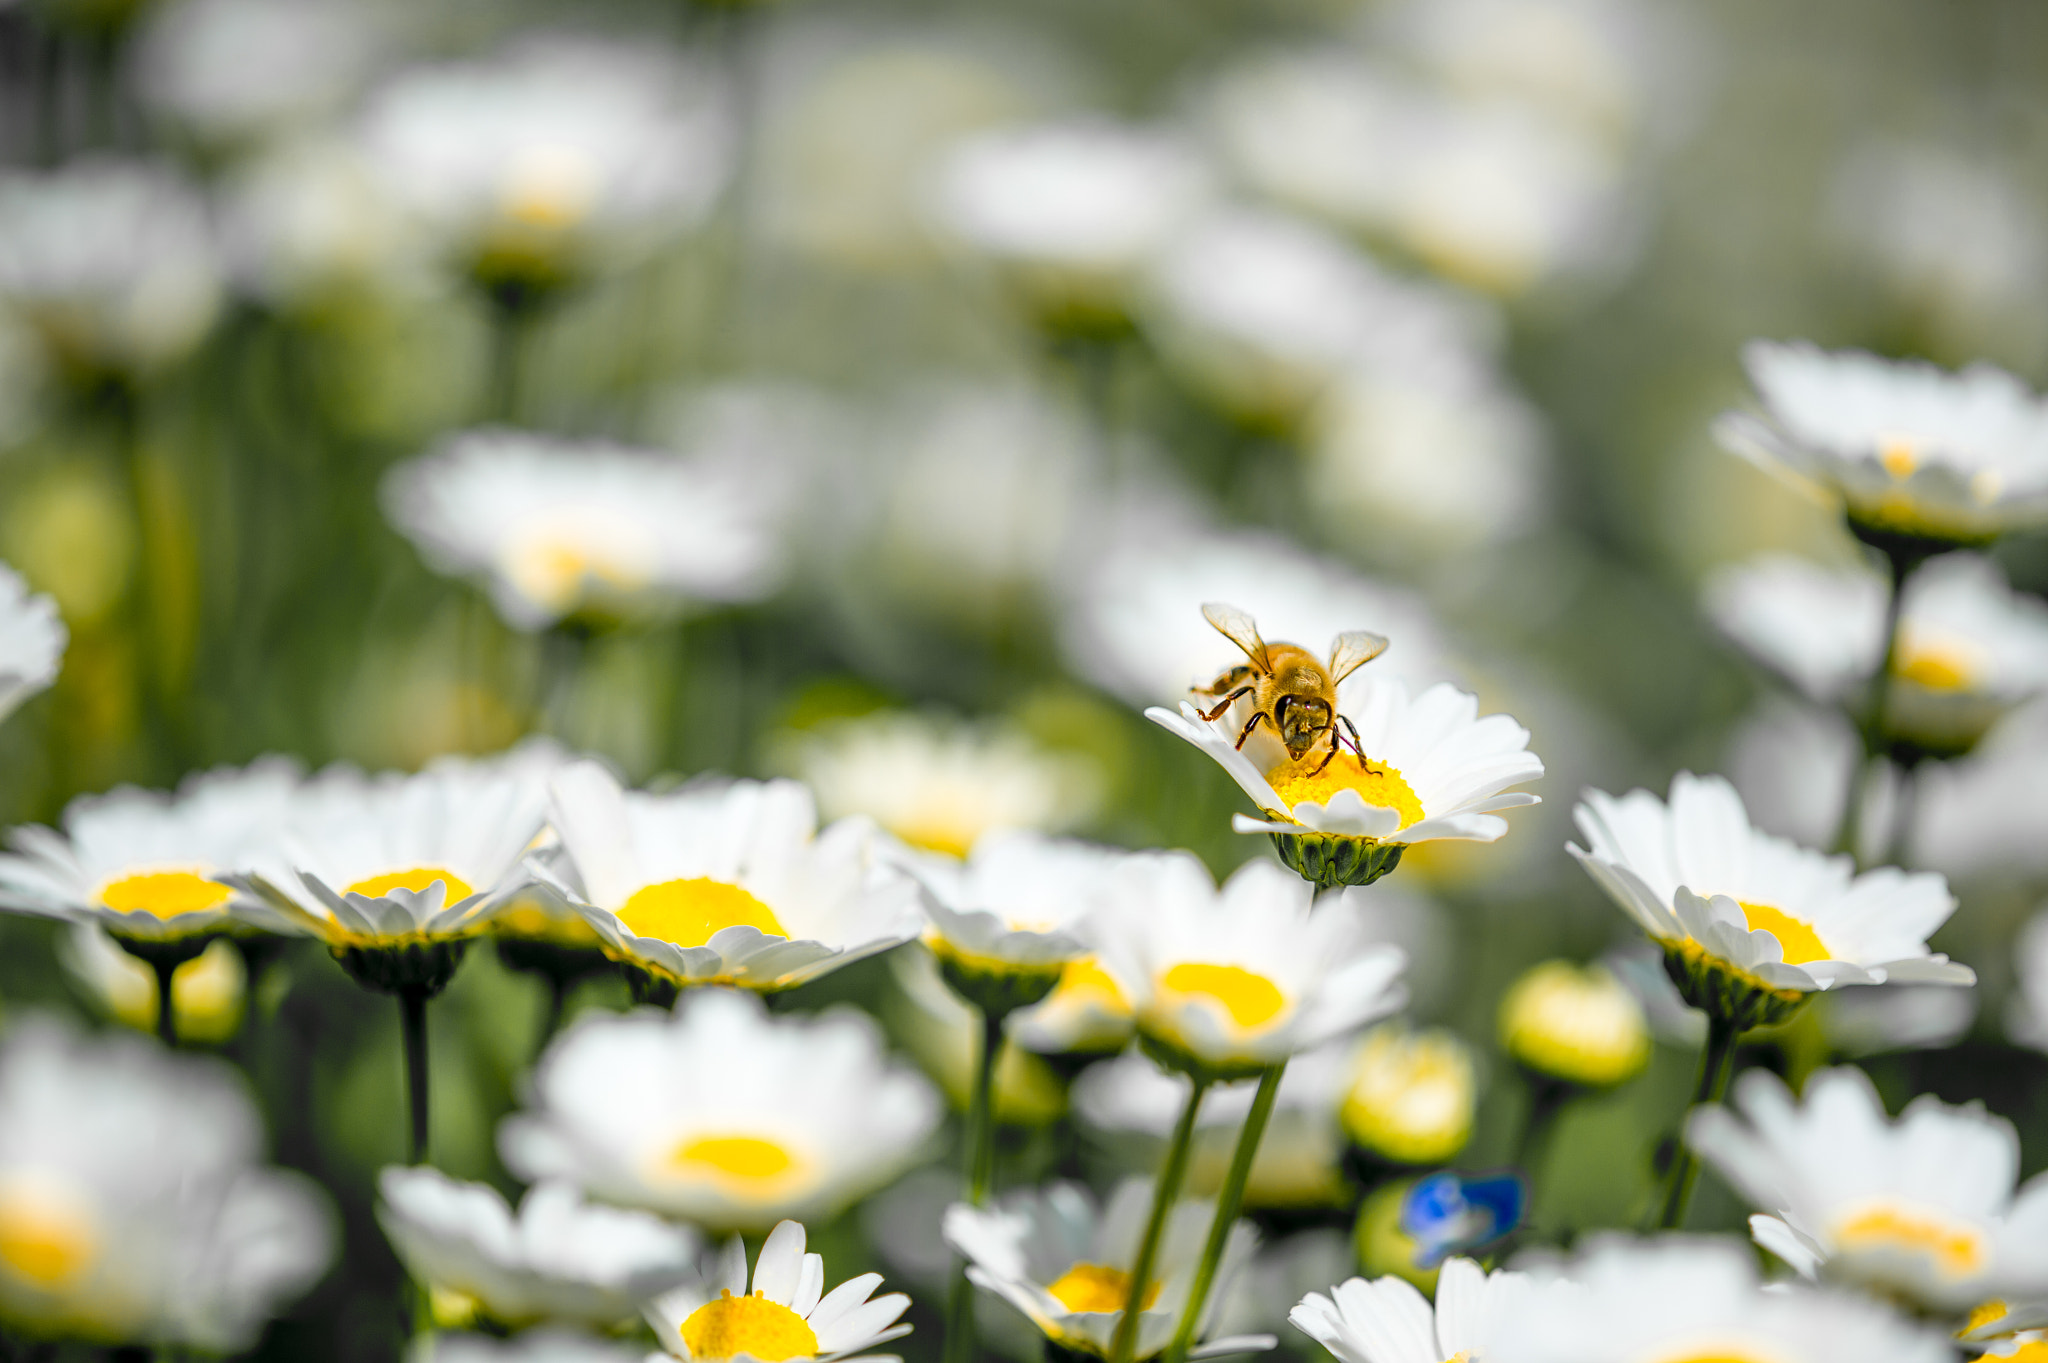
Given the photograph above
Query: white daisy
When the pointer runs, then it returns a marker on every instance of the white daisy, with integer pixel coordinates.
(32, 640)
(1229, 981)
(788, 1315)
(1910, 450)
(227, 72)
(720, 1113)
(942, 1032)
(1691, 1298)
(2026, 1008)
(112, 262)
(1923, 1207)
(1087, 1013)
(305, 221)
(729, 883)
(942, 785)
(1385, 1320)
(543, 1345)
(1717, 894)
(208, 991)
(1579, 1024)
(558, 1259)
(555, 527)
(1981, 815)
(1066, 1265)
(1022, 902)
(132, 1206)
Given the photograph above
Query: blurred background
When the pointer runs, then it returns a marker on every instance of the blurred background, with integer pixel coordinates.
(988, 341)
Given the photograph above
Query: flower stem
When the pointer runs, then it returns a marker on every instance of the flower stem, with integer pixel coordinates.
(1871, 725)
(981, 1164)
(166, 1005)
(412, 1012)
(1229, 1199)
(1124, 1344)
(1717, 1066)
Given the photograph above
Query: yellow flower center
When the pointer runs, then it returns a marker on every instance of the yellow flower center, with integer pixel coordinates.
(1251, 999)
(1900, 455)
(537, 924)
(1938, 666)
(949, 830)
(1098, 1287)
(47, 1236)
(755, 1326)
(1412, 1096)
(689, 912)
(551, 567)
(1956, 1250)
(1984, 1314)
(550, 187)
(742, 1159)
(163, 894)
(1578, 1025)
(1799, 941)
(416, 880)
(1085, 981)
(1376, 783)
(2033, 1351)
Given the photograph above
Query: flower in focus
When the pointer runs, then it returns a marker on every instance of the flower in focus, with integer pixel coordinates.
(1695, 1299)
(209, 991)
(1578, 1024)
(787, 1316)
(1911, 451)
(32, 640)
(1921, 1208)
(1066, 1265)
(941, 786)
(1410, 1095)
(1385, 1320)
(557, 528)
(132, 1206)
(1738, 910)
(558, 1259)
(728, 883)
(720, 1113)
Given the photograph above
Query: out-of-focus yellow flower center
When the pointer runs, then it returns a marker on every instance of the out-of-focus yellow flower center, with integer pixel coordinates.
(163, 894)
(1955, 1250)
(1376, 783)
(550, 187)
(1098, 1287)
(417, 879)
(538, 924)
(208, 991)
(947, 829)
(1719, 1357)
(1412, 1095)
(1251, 999)
(452, 1310)
(755, 1326)
(1938, 666)
(747, 1159)
(689, 912)
(1984, 1313)
(1579, 1025)
(47, 1236)
(1799, 941)
(1900, 455)
(551, 566)
(1085, 981)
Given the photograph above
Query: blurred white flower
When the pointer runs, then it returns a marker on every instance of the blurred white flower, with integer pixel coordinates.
(1908, 1017)
(208, 992)
(1983, 814)
(788, 1316)
(1679, 1297)
(1280, 1273)
(32, 641)
(1386, 1320)
(720, 1113)
(724, 883)
(1409, 1095)
(1086, 1013)
(1921, 1208)
(557, 1259)
(132, 1206)
(113, 263)
(1066, 1265)
(555, 527)
(943, 1034)
(306, 220)
(1021, 903)
(1908, 448)
(227, 72)
(2026, 1008)
(544, 1345)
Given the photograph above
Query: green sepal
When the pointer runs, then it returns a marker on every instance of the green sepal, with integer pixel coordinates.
(1330, 860)
(1721, 991)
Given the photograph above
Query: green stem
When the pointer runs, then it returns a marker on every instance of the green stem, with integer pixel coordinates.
(558, 987)
(412, 1011)
(1172, 1173)
(166, 1005)
(1871, 726)
(1229, 1200)
(1717, 1066)
(981, 1164)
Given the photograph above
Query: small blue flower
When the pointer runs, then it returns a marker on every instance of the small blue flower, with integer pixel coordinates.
(1445, 1214)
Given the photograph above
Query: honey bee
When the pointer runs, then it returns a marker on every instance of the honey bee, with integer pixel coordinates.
(1292, 690)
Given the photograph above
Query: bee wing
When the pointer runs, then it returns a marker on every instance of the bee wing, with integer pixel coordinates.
(1237, 626)
(1353, 649)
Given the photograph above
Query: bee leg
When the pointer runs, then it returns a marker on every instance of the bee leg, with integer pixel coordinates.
(1334, 745)
(1250, 725)
(1225, 704)
(1356, 746)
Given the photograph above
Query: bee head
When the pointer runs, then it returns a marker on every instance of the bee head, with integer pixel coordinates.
(1302, 721)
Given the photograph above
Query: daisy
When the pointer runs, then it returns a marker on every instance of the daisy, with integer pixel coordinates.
(2026, 1008)
(1432, 768)
(1409, 1096)
(1918, 456)
(1386, 1320)
(133, 1209)
(1578, 1024)
(1227, 982)
(32, 640)
(228, 72)
(208, 992)
(557, 1259)
(1087, 1013)
(1979, 816)
(1735, 907)
(788, 1316)
(1065, 1264)
(944, 1034)
(555, 528)
(730, 883)
(1684, 1298)
(304, 221)
(720, 1113)
(1923, 1208)
(543, 1345)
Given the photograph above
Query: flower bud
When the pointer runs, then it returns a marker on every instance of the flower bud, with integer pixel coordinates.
(1411, 1096)
(1579, 1025)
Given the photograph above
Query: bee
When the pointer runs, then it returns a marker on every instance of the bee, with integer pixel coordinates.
(1292, 690)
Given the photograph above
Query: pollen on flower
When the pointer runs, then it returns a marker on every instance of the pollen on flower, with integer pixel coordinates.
(416, 879)
(47, 1239)
(689, 912)
(1251, 999)
(1098, 1287)
(1377, 783)
(753, 1326)
(748, 1159)
(1799, 941)
(163, 894)
(1955, 1250)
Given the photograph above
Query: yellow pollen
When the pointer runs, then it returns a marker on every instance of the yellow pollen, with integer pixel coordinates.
(1956, 1250)
(749, 1159)
(1459, 1357)
(1984, 1314)
(1376, 782)
(1900, 455)
(1251, 1000)
(46, 1238)
(2033, 1351)
(163, 894)
(1798, 940)
(754, 1326)
(1937, 668)
(688, 912)
(416, 880)
(1097, 1287)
